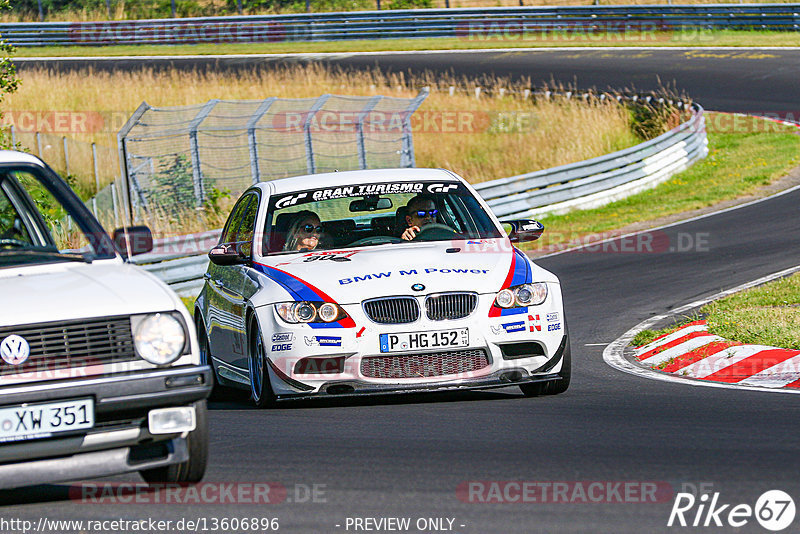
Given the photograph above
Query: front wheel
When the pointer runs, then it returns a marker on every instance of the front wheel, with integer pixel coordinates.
(192, 470)
(552, 387)
(260, 387)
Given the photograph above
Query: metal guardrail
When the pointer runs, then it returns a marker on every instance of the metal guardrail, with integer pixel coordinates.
(472, 23)
(599, 180)
(584, 184)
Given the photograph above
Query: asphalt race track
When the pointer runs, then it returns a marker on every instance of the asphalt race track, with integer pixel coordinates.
(740, 80)
(407, 456)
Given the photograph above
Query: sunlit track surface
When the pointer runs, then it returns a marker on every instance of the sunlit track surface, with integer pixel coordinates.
(739, 80)
(407, 456)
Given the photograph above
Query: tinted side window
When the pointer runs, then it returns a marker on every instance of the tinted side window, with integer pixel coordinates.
(248, 226)
(232, 226)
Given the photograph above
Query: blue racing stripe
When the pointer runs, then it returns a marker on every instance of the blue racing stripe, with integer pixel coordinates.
(295, 287)
(522, 271)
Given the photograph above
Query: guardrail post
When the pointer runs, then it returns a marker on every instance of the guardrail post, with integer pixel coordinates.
(39, 144)
(197, 173)
(407, 155)
(96, 173)
(66, 155)
(310, 163)
(114, 203)
(255, 170)
(362, 152)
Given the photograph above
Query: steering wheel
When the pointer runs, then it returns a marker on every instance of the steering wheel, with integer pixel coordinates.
(434, 231)
(11, 242)
(375, 240)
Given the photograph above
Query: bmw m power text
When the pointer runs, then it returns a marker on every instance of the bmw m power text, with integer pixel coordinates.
(369, 282)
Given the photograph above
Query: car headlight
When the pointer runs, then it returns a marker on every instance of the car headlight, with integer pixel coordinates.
(522, 296)
(159, 338)
(310, 312)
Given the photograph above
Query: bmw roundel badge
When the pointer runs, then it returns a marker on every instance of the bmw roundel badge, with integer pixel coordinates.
(417, 287)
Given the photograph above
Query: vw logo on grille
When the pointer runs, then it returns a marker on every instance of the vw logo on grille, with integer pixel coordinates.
(14, 350)
(417, 287)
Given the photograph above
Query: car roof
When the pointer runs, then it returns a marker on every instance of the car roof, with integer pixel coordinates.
(14, 156)
(335, 179)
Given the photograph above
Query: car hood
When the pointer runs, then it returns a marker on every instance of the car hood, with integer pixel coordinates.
(64, 291)
(349, 276)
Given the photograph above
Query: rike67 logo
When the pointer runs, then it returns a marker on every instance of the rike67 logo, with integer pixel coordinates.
(774, 510)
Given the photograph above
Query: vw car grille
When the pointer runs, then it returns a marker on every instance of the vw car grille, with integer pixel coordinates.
(450, 306)
(424, 365)
(392, 310)
(69, 344)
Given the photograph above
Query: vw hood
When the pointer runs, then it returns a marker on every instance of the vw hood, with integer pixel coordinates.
(67, 291)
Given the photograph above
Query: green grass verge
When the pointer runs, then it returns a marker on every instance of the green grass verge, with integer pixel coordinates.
(661, 39)
(737, 164)
(765, 315)
(646, 336)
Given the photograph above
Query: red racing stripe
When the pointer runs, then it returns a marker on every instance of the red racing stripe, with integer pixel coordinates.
(671, 344)
(698, 354)
(752, 365)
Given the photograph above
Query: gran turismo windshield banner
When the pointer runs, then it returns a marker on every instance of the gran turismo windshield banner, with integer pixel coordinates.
(363, 190)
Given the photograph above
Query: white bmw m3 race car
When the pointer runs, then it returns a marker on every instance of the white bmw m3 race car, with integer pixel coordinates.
(378, 281)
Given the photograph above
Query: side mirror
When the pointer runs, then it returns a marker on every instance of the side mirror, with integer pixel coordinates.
(140, 239)
(523, 230)
(226, 254)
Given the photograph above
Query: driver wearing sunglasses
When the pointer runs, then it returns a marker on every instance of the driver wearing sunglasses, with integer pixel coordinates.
(421, 212)
(304, 232)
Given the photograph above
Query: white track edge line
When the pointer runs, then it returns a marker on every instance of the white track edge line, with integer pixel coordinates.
(613, 353)
(676, 223)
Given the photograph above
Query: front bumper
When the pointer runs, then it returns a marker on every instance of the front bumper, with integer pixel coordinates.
(509, 376)
(119, 442)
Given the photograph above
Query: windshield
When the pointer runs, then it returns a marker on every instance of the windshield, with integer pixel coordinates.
(36, 227)
(374, 214)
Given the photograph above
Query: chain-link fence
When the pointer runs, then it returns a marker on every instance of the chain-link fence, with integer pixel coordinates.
(181, 157)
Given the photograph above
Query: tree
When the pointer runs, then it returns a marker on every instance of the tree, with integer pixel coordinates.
(8, 77)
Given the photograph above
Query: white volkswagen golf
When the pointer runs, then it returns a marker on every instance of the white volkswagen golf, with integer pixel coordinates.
(378, 281)
(98, 358)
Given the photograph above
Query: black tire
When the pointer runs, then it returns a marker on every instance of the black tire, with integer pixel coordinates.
(260, 387)
(192, 470)
(552, 387)
(205, 359)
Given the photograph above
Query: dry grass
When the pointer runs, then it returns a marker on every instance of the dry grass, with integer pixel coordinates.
(498, 136)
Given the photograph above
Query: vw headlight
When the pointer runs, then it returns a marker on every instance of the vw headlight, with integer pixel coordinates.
(159, 338)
